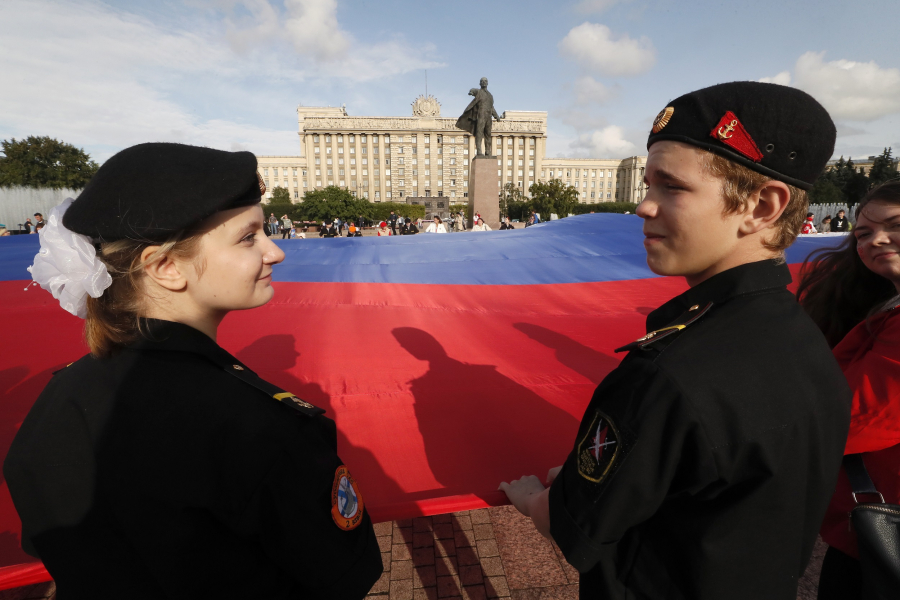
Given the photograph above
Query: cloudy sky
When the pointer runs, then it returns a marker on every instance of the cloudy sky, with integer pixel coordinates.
(230, 73)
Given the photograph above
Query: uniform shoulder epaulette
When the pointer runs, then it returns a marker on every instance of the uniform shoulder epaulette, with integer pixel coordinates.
(250, 378)
(62, 369)
(666, 333)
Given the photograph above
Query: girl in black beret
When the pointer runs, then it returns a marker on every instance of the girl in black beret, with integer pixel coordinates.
(159, 463)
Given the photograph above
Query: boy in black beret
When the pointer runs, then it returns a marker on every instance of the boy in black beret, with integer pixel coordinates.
(704, 463)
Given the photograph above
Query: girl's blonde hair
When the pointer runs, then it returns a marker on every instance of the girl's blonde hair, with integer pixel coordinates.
(115, 318)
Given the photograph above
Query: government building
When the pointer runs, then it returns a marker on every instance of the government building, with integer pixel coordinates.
(390, 159)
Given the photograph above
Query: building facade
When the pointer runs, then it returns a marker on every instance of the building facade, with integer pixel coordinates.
(862, 165)
(388, 159)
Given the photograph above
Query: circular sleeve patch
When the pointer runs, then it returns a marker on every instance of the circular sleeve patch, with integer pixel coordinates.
(598, 448)
(346, 501)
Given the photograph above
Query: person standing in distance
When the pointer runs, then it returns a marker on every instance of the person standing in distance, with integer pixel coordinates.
(159, 463)
(704, 462)
(840, 224)
(436, 226)
(393, 221)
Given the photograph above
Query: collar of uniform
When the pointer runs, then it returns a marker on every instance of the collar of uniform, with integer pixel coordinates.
(740, 280)
(178, 337)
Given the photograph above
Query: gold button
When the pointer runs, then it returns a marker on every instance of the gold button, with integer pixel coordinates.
(238, 367)
(695, 307)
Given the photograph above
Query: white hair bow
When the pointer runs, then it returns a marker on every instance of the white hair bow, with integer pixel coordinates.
(67, 265)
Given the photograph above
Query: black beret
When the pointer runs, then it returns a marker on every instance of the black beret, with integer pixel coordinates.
(150, 191)
(775, 130)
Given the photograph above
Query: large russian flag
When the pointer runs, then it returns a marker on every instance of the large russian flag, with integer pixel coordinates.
(449, 362)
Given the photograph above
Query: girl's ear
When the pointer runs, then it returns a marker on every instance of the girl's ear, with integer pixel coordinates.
(162, 271)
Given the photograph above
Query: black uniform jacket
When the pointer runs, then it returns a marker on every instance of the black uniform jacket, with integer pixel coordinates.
(170, 470)
(704, 463)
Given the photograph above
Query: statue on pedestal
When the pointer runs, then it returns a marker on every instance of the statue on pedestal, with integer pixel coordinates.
(476, 119)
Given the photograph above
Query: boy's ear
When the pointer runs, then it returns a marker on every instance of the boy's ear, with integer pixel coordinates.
(765, 206)
(163, 271)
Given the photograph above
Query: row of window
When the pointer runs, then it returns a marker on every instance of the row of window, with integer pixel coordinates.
(363, 150)
(283, 169)
(413, 139)
(377, 195)
(427, 182)
(415, 150)
(400, 160)
(559, 173)
(509, 152)
(584, 184)
(364, 161)
(415, 173)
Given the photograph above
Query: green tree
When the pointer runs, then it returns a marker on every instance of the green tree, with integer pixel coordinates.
(43, 162)
(510, 194)
(883, 169)
(553, 197)
(845, 176)
(824, 191)
(280, 195)
(856, 184)
(461, 208)
(331, 202)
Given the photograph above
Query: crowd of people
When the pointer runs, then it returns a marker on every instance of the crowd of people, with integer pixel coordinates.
(735, 429)
(839, 224)
(27, 226)
(393, 225)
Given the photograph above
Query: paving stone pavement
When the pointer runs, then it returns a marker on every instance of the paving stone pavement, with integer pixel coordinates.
(493, 553)
(486, 554)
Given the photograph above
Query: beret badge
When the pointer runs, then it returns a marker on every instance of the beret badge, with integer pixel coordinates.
(662, 119)
(262, 186)
(731, 132)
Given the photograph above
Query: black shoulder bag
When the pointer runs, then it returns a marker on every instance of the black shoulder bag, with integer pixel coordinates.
(877, 527)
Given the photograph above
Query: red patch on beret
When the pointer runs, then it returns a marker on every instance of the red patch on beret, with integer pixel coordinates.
(731, 132)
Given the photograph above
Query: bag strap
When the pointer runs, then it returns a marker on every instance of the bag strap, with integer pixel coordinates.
(860, 482)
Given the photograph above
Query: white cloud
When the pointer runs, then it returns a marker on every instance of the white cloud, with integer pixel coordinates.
(580, 119)
(588, 90)
(856, 91)
(313, 28)
(849, 90)
(328, 51)
(608, 142)
(99, 77)
(596, 48)
(597, 6)
(783, 78)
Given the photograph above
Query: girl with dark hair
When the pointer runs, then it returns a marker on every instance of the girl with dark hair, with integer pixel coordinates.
(836, 288)
(852, 293)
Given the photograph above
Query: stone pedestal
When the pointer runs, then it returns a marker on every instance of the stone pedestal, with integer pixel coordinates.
(484, 190)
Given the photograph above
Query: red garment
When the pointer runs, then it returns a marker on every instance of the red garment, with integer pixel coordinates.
(870, 358)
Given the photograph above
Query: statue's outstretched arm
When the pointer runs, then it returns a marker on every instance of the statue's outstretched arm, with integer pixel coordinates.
(496, 116)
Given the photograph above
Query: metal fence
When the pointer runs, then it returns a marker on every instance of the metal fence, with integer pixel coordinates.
(20, 203)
